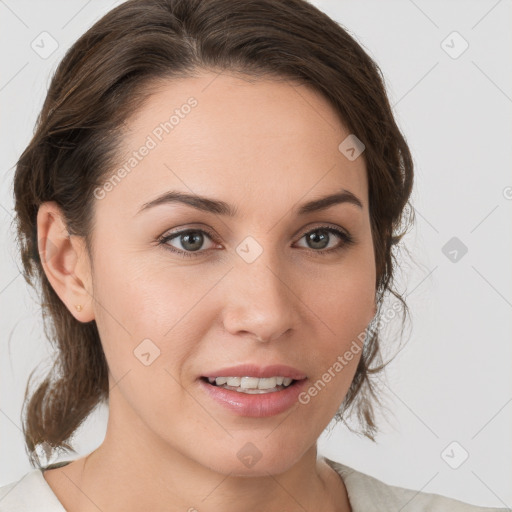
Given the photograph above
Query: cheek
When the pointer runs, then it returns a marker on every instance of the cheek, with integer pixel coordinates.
(143, 321)
(148, 319)
(141, 296)
(345, 299)
(336, 366)
(344, 304)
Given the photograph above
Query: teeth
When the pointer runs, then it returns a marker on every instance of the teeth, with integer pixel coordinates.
(268, 383)
(251, 382)
(233, 381)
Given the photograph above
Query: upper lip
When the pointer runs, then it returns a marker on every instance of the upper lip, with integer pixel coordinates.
(251, 370)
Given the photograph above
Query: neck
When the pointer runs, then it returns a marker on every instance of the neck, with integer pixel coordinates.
(134, 470)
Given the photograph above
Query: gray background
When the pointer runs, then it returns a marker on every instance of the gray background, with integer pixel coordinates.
(453, 380)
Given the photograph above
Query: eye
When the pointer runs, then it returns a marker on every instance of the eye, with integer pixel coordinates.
(320, 238)
(192, 240)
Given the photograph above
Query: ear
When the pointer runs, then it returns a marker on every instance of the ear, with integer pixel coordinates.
(65, 261)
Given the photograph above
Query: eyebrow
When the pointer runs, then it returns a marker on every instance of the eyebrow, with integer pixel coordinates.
(222, 208)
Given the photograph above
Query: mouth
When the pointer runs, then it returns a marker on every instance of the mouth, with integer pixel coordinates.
(254, 391)
(253, 397)
(252, 385)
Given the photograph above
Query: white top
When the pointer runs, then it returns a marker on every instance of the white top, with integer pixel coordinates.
(32, 493)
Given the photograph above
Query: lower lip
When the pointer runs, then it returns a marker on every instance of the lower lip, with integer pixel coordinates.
(255, 405)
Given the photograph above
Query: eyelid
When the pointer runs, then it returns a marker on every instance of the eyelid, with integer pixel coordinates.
(213, 235)
(323, 225)
(189, 227)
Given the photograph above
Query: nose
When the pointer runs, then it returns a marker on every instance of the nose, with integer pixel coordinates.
(260, 301)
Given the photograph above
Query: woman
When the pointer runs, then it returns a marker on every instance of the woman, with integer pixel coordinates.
(211, 201)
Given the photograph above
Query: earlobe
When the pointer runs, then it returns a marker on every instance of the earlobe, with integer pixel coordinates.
(64, 261)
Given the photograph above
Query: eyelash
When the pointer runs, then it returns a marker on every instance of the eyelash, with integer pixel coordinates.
(345, 237)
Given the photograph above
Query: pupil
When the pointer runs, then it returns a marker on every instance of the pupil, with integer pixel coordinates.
(195, 237)
(315, 239)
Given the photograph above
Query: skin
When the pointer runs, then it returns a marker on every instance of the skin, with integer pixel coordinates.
(264, 147)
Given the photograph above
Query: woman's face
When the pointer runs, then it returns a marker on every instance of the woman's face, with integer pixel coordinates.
(264, 285)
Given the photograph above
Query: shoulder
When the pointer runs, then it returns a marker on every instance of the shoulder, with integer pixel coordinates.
(31, 492)
(368, 494)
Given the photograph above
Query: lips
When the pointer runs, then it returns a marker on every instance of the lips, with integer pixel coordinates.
(253, 405)
(251, 370)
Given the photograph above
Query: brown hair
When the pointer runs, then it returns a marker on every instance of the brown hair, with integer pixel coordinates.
(106, 76)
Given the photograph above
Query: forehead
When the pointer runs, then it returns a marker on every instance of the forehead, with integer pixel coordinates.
(239, 140)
